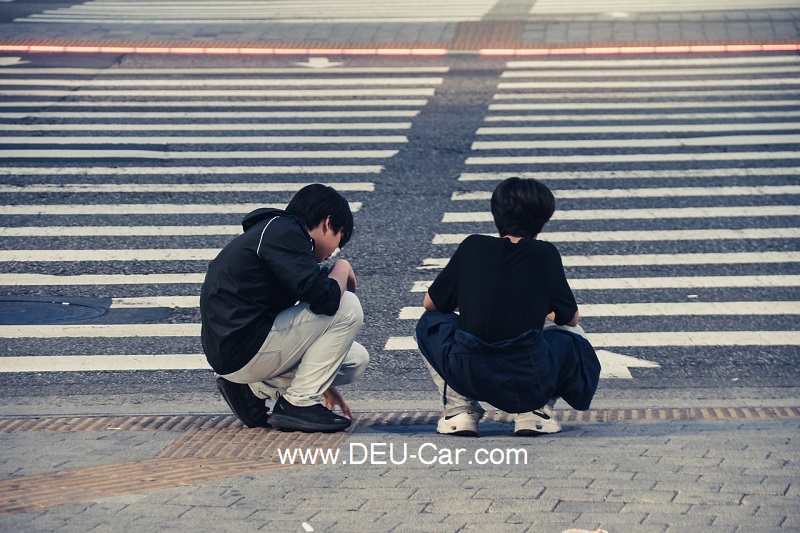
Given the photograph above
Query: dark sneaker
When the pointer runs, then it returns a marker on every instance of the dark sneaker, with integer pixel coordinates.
(250, 409)
(310, 419)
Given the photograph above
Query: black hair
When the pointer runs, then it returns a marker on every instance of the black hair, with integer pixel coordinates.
(314, 203)
(521, 207)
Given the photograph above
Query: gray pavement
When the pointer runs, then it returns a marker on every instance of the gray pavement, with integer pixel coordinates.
(731, 472)
(509, 24)
(723, 474)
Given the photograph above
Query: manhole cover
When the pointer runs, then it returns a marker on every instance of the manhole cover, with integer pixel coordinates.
(22, 311)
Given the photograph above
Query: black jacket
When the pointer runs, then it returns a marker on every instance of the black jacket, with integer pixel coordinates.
(267, 269)
(516, 375)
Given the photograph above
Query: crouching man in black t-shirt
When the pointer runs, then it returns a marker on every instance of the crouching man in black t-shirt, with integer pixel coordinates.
(515, 343)
(276, 324)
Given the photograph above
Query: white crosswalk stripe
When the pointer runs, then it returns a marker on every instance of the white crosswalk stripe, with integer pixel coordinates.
(671, 282)
(272, 11)
(134, 170)
(253, 136)
(90, 363)
(664, 339)
(678, 174)
(130, 209)
(656, 309)
(99, 188)
(598, 260)
(647, 235)
(718, 140)
(54, 280)
(655, 213)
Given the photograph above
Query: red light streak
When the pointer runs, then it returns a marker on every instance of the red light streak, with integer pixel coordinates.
(218, 50)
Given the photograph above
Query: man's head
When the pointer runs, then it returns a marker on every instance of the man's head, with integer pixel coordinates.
(317, 204)
(521, 207)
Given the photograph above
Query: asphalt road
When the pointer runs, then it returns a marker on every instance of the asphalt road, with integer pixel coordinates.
(676, 180)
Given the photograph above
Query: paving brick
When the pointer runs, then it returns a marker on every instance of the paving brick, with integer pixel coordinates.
(765, 488)
(645, 464)
(428, 494)
(691, 464)
(509, 492)
(679, 478)
(543, 518)
(767, 501)
(700, 487)
(32, 522)
(486, 518)
(315, 503)
(727, 476)
(613, 474)
(569, 482)
(426, 518)
(142, 509)
(515, 505)
(348, 517)
(755, 523)
(677, 519)
(565, 493)
(631, 495)
(713, 498)
(640, 528)
(447, 505)
(712, 529)
(479, 526)
(792, 523)
(721, 510)
(569, 506)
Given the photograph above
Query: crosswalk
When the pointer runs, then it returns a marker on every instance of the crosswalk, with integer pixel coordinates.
(687, 167)
(675, 178)
(355, 11)
(273, 11)
(125, 182)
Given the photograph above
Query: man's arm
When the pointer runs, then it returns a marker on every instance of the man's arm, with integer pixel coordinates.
(573, 322)
(342, 273)
(427, 303)
(575, 319)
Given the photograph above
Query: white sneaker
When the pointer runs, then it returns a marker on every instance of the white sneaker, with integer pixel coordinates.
(462, 424)
(538, 422)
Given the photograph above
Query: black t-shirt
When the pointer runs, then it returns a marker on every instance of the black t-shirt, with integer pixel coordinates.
(502, 289)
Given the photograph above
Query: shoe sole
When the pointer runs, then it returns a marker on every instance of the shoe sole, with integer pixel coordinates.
(290, 423)
(443, 428)
(233, 402)
(533, 432)
(462, 433)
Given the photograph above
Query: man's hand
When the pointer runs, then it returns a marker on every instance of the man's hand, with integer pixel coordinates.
(351, 281)
(334, 398)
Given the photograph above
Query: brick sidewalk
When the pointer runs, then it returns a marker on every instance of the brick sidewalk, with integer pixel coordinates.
(698, 469)
(500, 31)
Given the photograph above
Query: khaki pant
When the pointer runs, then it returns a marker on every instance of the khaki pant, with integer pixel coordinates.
(305, 353)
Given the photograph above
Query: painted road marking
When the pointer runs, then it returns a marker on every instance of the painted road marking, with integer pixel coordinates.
(676, 282)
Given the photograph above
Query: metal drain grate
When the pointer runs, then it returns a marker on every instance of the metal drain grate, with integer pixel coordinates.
(394, 418)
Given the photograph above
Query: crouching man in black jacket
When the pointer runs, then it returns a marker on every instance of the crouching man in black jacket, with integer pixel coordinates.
(278, 325)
